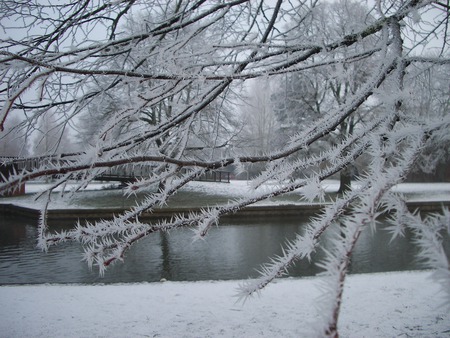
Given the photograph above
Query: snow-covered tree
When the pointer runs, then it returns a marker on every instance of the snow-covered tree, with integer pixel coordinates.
(259, 133)
(55, 54)
(431, 100)
(12, 143)
(302, 97)
(50, 137)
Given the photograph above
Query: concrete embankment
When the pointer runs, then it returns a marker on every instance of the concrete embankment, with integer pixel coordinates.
(252, 212)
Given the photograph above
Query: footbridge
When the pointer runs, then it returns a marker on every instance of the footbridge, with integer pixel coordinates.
(127, 174)
(122, 173)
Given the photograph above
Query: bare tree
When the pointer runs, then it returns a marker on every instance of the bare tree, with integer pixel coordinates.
(212, 46)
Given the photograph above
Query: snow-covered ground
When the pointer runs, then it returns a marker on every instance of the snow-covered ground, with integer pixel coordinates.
(403, 304)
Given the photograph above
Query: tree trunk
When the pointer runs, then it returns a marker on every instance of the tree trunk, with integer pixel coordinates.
(345, 179)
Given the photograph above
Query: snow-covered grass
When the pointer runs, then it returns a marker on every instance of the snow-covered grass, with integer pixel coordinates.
(402, 304)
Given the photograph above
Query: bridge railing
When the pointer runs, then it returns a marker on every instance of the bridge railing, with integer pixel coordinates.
(129, 173)
(216, 176)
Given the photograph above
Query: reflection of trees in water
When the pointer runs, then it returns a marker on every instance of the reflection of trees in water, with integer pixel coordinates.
(376, 252)
(10, 233)
(166, 271)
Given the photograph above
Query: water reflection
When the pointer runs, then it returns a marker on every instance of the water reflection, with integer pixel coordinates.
(232, 251)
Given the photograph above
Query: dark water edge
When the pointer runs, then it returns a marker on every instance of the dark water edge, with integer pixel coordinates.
(231, 251)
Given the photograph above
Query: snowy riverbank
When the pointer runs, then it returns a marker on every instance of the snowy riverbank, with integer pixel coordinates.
(401, 304)
(199, 194)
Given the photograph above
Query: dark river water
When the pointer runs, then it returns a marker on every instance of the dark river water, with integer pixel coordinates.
(232, 251)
